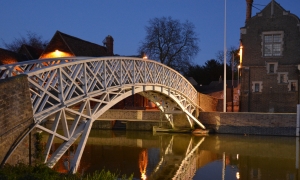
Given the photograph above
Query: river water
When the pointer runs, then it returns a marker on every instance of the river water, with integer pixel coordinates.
(150, 155)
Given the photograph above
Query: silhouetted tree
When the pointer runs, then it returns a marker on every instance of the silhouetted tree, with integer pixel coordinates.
(171, 42)
(31, 39)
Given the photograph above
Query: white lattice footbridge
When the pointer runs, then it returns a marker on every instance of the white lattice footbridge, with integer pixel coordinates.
(84, 88)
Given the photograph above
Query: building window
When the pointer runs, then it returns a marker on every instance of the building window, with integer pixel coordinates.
(293, 85)
(282, 77)
(272, 44)
(255, 173)
(272, 67)
(257, 86)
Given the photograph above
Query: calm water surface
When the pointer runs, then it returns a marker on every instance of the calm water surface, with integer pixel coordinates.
(185, 156)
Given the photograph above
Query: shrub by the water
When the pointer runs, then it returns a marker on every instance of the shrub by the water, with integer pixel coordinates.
(42, 172)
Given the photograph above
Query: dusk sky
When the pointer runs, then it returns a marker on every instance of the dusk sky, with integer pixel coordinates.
(125, 20)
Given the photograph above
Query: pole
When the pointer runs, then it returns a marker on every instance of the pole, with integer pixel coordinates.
(232, 85)
(223, 166)
(225, 49)
(238, 77)
(298, 120)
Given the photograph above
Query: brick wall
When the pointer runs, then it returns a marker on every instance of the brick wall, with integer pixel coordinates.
(15, 117)
(281, 124)
(275, 96)
(210, 103)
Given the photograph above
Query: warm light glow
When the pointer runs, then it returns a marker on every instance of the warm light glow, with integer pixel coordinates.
(56, 53)
(241, 55)
(239, 66)
(237, 175)
(145, 57)
(143, 161)
(9, 61)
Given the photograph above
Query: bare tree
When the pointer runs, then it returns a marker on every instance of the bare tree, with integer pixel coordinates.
(231, 51)
(31, 39)
(170, 42)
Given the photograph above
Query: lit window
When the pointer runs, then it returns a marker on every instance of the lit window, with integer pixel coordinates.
(272, 44)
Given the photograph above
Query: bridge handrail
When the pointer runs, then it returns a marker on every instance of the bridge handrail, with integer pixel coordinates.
(9, 70)
(154, 69)
(79, 60)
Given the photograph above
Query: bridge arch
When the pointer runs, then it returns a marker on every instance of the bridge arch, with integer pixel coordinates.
(85, 88)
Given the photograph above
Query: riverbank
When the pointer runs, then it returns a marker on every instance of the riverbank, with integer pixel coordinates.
(273, 124)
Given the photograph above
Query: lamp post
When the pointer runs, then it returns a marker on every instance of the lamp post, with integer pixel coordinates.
(224, 85)
(232, 85)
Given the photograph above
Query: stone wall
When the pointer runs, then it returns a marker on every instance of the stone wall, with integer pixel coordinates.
(117, 114)
(278, 124)
(135, 119)
(15, 116)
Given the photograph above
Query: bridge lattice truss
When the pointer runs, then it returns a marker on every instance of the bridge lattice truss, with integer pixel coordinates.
(82, 89)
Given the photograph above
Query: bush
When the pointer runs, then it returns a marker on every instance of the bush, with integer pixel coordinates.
(43, 172)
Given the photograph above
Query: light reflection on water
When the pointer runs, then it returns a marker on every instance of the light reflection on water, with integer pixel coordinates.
(185, 156)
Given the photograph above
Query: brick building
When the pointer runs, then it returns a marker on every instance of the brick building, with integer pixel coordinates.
(64, 45)
(269, 76)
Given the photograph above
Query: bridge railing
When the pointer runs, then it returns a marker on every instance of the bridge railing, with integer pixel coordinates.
(80, 76)
(9, 70)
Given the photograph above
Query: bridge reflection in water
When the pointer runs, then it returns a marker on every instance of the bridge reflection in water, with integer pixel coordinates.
(185, 156)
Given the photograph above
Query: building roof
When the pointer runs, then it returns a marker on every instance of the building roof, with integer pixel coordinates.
(30, 52)
(74, 45)
(272, 7)
(192, 81)
(10, 57)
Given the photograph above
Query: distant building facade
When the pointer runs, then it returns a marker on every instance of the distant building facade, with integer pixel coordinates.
(270, 43)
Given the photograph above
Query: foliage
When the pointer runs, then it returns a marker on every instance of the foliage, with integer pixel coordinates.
(213, 69)
(22, 171)
(39, 148)
(42, 172)
(107, 175)
(232, 51)
(170, 42)
(31, 39)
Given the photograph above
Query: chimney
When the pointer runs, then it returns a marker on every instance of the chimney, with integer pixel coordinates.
(249, 9)
(109, 43)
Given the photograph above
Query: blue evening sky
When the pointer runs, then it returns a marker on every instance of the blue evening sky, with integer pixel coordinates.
(125, 20)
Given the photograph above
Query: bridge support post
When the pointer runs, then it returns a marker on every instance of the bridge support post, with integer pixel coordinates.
(77, 157)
